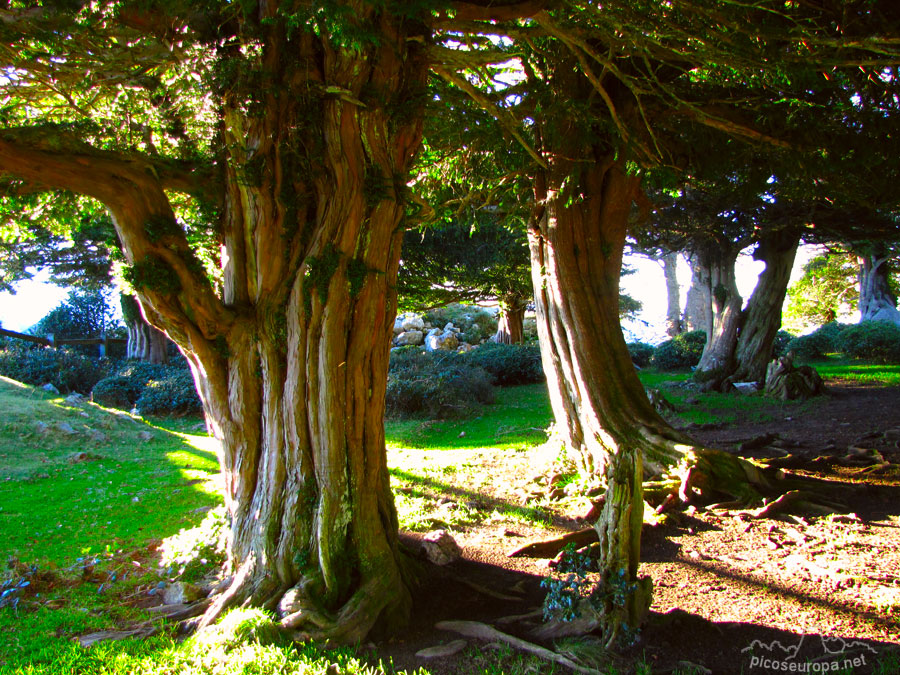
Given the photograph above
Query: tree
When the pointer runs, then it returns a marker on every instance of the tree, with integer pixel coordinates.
(617, 91)
(877, 293)
(828, 288)
(457, 261)
(83, 314)
(296, 127)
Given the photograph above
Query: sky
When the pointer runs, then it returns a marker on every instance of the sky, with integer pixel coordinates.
(33, 299)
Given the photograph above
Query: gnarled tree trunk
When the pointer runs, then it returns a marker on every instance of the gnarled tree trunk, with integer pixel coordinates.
(511, 323)
(876, 301)
(717, 360)
(603, 416)
(761, 319)
(145, 343)
(291, 364)
(673, 294)
(698, 301)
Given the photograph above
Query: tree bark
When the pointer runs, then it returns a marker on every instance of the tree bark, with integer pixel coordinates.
(717, 360)
(291, 364)
(673, 295)
(761, 319)
(698, 303)
(511, 324)
(876, 301)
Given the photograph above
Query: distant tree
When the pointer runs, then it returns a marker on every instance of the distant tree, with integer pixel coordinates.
(83, 314)
(877, 283)
(828, 288)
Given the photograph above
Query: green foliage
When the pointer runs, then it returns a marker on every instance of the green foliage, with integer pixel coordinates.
(641, 353)
(681, 352)
(824, 340)
(174, 394)
(877, 341)
(780, 345)
(827, 289)
(435, 384)
(475, 323)
(83, 314)
(194, 551)
(509, 364)
(65, 368)
(154, 274)
(319, 270)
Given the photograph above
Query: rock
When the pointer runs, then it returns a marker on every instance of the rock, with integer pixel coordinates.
(445, 341)
(66, 428)
(146, 436)
(97, 436)
(180, 593)
(412, 322)
(410, 337)
(440, 547)
(75, 399)
(439, 651)
(450, 328)
(49, 387)
(465, 348)
(79, 457)
(41, 427)
(746, 388)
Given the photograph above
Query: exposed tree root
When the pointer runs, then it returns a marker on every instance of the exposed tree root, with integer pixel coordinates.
(483, 631)
(548, 548)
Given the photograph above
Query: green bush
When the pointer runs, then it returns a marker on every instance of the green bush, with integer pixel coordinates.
(822, 341)
(681, 352)
(174, 394)
(475, 324)
(509, 364)
(641, 353)
(64, 368)
(782, 340)
(877, 341)
(436, 385)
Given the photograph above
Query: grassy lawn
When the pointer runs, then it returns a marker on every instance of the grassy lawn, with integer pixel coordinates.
(87, 493)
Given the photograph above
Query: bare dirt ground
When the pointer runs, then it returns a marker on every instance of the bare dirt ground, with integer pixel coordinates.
(802, 593)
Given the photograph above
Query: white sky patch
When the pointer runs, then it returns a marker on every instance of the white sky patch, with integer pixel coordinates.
(33, 299)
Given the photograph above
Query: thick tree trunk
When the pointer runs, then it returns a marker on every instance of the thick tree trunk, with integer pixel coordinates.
(511, 324)
(698, 303)
(876, 301)
(145, 342)
(603, 416)
(673, 294)
(761, 319)
(717, 360)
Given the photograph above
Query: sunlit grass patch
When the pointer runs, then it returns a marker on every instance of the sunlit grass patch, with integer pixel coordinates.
(849, 369)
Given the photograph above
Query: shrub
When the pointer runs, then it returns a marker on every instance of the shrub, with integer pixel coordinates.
(173, 394)
(877, 341)
(782, 340)
(475, 323)
(641, 353)
(437, 385)
(64, 368)
(509, 364)
(681, 352)
(822, 341)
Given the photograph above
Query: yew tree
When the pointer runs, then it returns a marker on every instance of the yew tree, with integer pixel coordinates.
(294, 125)
(614, 95)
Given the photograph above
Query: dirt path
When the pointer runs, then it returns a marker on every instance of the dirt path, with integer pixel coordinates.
(730, 595)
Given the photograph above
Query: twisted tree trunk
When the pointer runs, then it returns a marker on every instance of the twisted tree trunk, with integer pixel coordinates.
(761, 319)
(511, 324)
(674, 325)
(717, 360)
(698, 301)
(876, 300)
(291, 362)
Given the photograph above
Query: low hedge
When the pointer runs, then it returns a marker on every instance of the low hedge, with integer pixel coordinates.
(64, 368)
(150, 388)
(824, 340)
(509, 365)
(681, 352)
(877, 341)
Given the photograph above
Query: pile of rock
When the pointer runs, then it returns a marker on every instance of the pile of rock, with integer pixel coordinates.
(412, 330)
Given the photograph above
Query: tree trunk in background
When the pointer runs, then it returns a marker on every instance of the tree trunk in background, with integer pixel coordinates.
(511, 323)
(145, 342)
(876, 301)
(761, 319)
(717, 360)
(673, 295)
(698, 303)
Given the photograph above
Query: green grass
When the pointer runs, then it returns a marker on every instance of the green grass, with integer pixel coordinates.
(849, 369)
(517, 419)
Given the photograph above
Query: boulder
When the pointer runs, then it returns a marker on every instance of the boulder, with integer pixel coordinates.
(450, 328)
(180, 593)
(412, 322)
(410, 337)
(444, 341)
(441, 548)
(50, 388)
